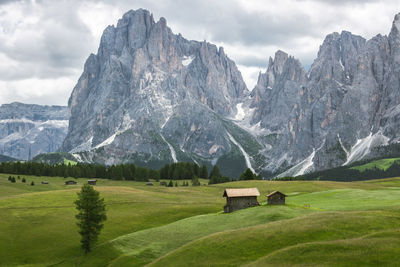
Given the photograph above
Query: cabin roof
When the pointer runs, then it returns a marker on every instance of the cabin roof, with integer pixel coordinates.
(241, 192)
(275, 192)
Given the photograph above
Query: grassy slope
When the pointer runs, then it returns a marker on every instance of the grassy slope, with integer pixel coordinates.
(378, 249)
(39, 227)
(382, 164)
(144, 246)
(145, 222)
(238, 247)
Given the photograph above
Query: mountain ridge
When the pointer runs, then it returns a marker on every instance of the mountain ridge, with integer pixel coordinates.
(151, 97)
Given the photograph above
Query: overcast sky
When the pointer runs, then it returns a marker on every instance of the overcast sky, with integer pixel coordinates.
(44, 43)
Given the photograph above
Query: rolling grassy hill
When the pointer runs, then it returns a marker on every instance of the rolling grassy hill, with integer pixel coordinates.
(382, 164)
(55, 158)
(323, 223)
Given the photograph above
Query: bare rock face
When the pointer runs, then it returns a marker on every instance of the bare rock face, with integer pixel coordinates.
(344, 107)
(151, 97)
(28, 130)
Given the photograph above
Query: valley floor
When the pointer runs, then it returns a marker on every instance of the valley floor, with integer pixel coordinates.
(323, 223)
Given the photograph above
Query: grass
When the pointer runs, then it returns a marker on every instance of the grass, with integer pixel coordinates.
(377, 249)
(382, 164)
(238, 247)
(144, 246)
(70, 162)
(323, 222)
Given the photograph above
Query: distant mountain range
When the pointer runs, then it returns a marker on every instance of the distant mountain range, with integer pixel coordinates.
(152, 97)
(28, 130)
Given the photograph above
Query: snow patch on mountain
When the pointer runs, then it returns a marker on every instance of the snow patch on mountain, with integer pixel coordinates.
(107, 142)
(364, 145)
(343, 147)
(187, 60)
(171, 148)
(86, 146)
(246, 156)
(240, 112)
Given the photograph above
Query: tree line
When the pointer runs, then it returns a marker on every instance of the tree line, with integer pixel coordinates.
(174, 171)
(348, 174)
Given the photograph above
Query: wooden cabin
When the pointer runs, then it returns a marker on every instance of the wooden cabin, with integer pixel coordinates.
(92, 182)
(276, 198)
(45, 182)
(163, 183)
(240, 198)
(70, 182)
(149, 183)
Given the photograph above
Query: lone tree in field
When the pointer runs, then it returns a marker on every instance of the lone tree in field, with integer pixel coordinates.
(92, 212)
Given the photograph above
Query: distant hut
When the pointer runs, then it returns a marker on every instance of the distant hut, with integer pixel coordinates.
(276, 198)
(240, 198)
(70, 182)
(163, 183)
(92, 182)
(45, 182)
(149, 183)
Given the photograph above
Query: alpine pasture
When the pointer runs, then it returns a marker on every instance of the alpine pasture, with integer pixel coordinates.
(323, 223)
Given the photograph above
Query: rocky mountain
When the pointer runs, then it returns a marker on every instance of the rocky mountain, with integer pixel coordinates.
(151, 97)
(27, 130)
(339, 111)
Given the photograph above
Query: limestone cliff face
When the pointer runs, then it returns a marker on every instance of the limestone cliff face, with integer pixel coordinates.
(345, 105)
(149, 95)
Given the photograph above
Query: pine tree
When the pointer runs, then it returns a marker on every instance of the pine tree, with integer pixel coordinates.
(215, 175)
(195, 181)
(247, 175)
(32, 183)
(23, 180)
(92, 212)
(203, 172)
(170, 184)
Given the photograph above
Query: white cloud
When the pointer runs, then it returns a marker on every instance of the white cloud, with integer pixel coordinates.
(37, 91)
(43, 44)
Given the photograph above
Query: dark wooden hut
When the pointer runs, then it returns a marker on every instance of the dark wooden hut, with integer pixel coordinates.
(240, 198)
(163, 183)
(92, 182)
(149, 183)
(276, 198)
(70, 182)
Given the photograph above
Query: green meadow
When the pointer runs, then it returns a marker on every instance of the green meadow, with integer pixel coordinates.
(323, 223)
(382, 164)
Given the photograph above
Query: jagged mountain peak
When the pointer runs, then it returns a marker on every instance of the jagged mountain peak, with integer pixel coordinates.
(151, 97)
(136, 97)
(396, 23)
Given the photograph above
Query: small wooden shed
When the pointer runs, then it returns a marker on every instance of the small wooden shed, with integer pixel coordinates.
(276, 198)
(149, 183)
(92, 182)
(70, 182)
(163, 183)
(240, 198)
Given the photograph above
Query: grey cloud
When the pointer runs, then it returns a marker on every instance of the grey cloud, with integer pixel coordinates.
(252, 61)
(3, 2)
(342, 2)
(64, 41)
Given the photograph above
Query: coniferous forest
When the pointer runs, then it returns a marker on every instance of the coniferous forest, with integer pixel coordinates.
(174, 171)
